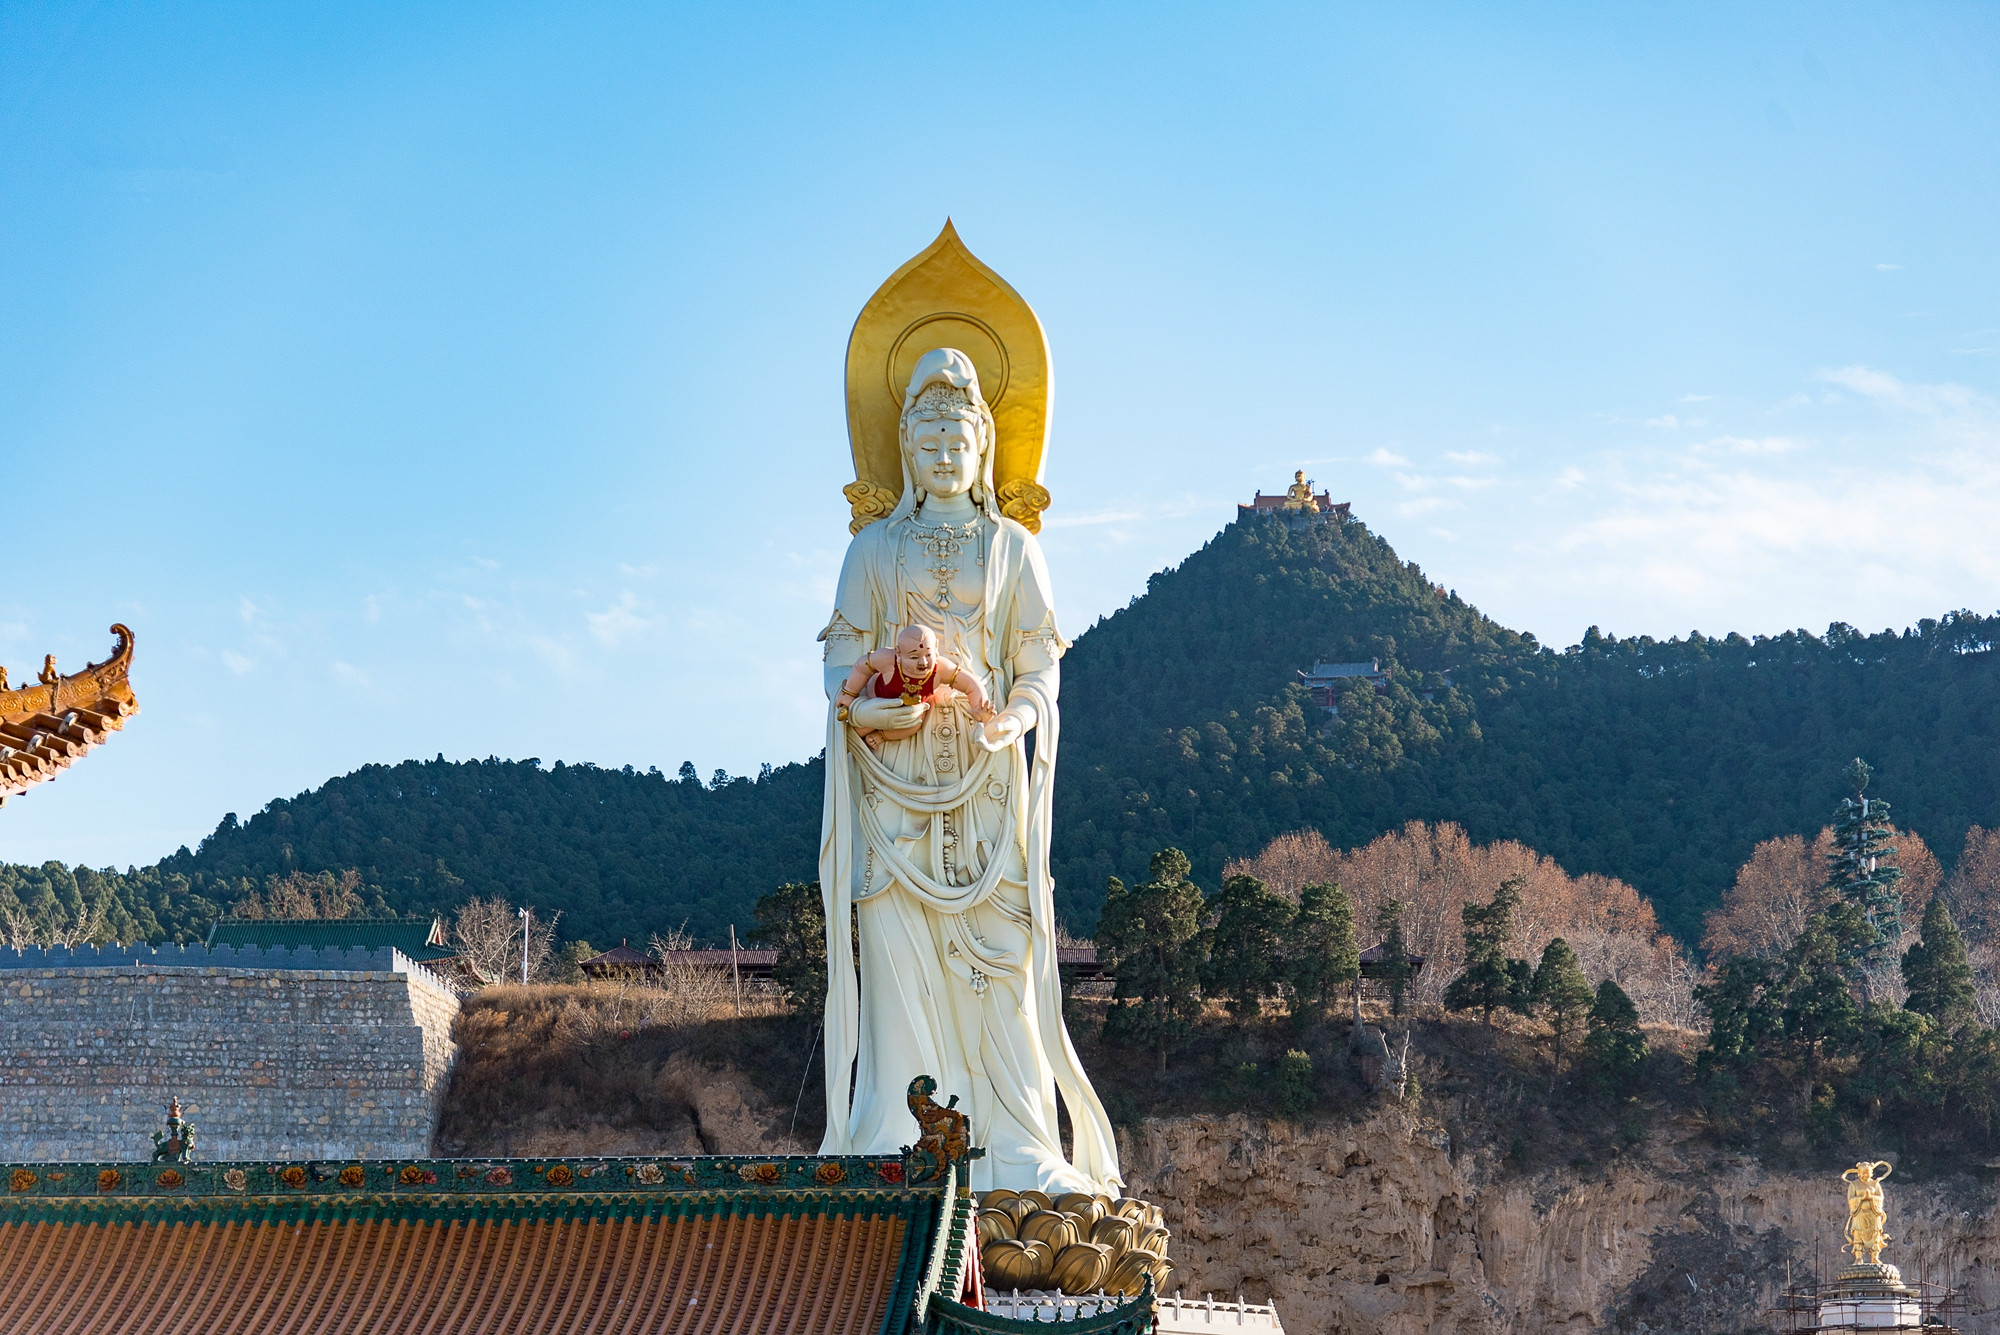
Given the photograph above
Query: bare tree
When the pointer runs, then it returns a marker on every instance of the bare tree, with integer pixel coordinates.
(489, 932)
(302, 895)
(1436, 869)
(1784, 882)
(690, 992)
(52, 924)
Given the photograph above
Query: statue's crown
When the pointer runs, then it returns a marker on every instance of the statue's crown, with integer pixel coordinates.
(942, 400)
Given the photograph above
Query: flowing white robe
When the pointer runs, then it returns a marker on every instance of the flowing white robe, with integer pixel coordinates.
(939, 849)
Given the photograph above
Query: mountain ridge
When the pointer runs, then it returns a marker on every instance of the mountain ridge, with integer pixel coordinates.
(1659, 762)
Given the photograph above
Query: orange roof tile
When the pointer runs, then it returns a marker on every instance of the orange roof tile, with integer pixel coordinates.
(722, 1274)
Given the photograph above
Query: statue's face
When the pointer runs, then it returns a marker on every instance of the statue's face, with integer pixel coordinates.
(944, 455)
(915, 657)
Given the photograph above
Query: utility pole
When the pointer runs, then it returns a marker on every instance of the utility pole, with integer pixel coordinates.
(525, 913)
(736, 970)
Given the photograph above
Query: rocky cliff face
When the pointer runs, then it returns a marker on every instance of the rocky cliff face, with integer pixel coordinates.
(1378, 1226)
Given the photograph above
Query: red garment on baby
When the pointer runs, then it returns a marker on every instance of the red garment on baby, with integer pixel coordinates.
(890, 687)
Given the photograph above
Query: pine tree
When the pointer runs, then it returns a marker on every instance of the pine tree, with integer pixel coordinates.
(1246, 952)
(792, 920)
(1322, 953)
(1151, 936)
(1613, 1047)
(1394, 970)
(1564, 996)
(1856, 872)
(1491, 981)
(1818, 1014)
(1938, 973)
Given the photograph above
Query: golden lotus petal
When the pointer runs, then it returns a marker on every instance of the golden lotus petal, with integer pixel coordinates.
(1114, 1231)
(1131, 1207)
(1040, 1198)
(1081, 1267)
(1012, 1264)
(1018, 1209)
(994, 1225)
(997, 1198)
(1129, 1273)
(1058, 1230)
(1073, 1202)
(1153, 1238)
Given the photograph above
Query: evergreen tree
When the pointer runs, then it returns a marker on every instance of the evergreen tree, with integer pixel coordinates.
(1938, 973)
(1321, 950)
(792, 921)
(1856, 872)
(1491, 981)
(1564, 996)
(1394, 969)
(1818, 1014)
(1246, 951)
(1150, 934)
(1613, 1047)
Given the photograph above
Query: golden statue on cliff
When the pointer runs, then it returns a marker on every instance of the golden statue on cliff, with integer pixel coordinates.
(1866, 1215)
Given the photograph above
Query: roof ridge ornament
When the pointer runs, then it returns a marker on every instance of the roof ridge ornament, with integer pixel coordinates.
(944, 297)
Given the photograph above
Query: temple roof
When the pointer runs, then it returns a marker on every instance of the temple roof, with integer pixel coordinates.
(46, 728)
(419, 938)
(836, 1245)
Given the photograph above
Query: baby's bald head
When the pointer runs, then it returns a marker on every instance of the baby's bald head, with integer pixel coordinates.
(916, 651)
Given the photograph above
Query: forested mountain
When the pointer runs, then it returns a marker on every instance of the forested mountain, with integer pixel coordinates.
(1660, 763)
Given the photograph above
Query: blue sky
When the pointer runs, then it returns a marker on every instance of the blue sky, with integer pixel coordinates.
(467, 379)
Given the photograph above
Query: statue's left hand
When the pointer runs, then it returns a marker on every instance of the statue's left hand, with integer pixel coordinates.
(1002, 730)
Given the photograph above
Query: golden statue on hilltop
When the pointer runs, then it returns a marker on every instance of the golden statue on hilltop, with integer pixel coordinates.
(1299, 496)
(1865, 1213)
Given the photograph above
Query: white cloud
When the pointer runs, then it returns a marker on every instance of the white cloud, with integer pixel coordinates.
(349, 675)
(236, 662)
(1666, 420)
(1092, 518)
(1888, 268)
(619, 622)
(1428, 505)
(1382, 458)
(1885, 388)
(1751, 445)
(1694, 398)
(1570, 479)
(1471, 458)
(1879, 523)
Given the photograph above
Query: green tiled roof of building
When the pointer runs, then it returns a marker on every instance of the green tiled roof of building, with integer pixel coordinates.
(419, 938)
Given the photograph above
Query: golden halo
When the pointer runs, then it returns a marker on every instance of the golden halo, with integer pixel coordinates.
(951, 329)
(945, 298)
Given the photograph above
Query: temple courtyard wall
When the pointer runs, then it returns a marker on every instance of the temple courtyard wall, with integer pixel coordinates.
(274, 1054)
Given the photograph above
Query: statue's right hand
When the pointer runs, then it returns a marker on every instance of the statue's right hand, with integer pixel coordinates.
(873, 711)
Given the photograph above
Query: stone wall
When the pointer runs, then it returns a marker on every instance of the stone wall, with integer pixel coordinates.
(329, 1055)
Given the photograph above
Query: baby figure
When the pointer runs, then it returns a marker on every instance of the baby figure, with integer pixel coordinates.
(919, 674)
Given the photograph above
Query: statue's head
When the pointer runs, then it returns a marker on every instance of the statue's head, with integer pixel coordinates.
(916, 652)
(947, 430)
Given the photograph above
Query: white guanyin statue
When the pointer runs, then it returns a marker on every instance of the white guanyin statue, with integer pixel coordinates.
(938, 842)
